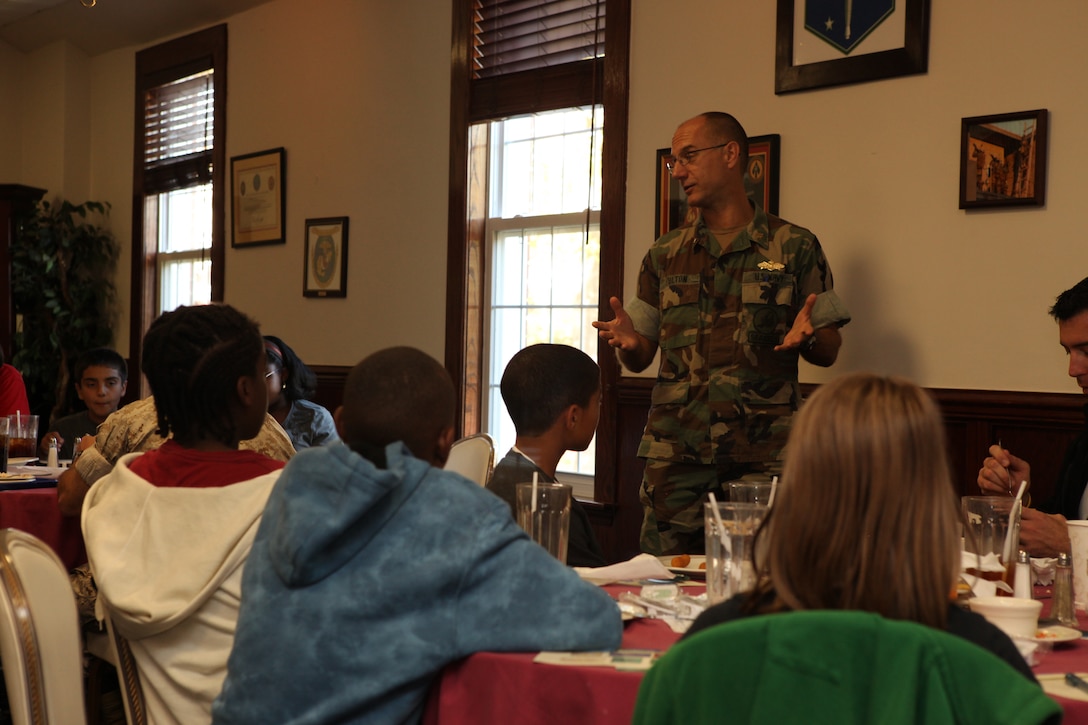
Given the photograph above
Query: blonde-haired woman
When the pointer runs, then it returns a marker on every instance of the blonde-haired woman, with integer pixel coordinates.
(866, 517)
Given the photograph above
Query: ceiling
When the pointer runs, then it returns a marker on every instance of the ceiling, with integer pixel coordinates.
(28, 25)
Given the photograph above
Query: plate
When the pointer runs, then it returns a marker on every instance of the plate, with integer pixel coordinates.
(15, 477)
(692, 569)
(22, 461)
(1057, 634)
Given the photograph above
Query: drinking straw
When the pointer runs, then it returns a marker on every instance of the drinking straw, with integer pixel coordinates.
(718, 518)
(1013, 511)
(774, 487)
(532, 504)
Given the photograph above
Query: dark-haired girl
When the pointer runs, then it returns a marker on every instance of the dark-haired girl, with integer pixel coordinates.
(290, 385)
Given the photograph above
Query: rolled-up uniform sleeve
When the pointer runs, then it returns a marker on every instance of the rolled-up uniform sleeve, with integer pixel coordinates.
(645, 317)
(829, 310)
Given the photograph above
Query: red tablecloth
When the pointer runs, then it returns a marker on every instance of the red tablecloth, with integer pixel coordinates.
(35, 512)
(493, 688)
(489, 687)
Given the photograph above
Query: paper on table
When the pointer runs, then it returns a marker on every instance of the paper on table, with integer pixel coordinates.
(36, 471)
(986, 562)
(1055, 685)
(643, 566)
(621, 659)
(1042, 569)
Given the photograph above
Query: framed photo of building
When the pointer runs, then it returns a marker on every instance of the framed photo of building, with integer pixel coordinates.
(325, 259)
(1003, 160)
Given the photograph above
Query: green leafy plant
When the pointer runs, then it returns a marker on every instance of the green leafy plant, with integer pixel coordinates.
(65, 302)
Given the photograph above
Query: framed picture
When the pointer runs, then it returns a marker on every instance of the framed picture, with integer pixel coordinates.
(258, 198)
(1003, 160)
(822, 43)
(325, 262)
(763, 161)
(762, 182)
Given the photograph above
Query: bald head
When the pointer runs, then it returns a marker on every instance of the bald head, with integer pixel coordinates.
(725, 128)
(399, 394)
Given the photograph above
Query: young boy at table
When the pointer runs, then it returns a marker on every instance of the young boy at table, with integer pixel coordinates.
(101, 379)
(373, 568)
(553, 395)
(168, 531)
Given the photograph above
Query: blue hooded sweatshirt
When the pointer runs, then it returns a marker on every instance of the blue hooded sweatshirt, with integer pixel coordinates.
(365, 581)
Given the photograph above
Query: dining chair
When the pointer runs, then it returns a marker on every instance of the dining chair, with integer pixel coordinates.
(132, 694)
(837, 667)
(40, 645)
(473, 457)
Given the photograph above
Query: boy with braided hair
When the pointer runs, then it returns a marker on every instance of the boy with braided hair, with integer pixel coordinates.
(169, 530)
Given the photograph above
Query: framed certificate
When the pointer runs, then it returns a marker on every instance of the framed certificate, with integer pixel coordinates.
(258, 198)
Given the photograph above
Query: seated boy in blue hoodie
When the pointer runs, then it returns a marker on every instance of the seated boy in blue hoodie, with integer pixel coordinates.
(373, 568)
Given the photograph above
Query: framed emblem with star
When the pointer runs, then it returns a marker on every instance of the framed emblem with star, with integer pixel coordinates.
(823, 43)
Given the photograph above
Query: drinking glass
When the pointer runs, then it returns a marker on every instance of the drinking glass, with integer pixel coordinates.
(548, 520)
(750, 492)
(729, 566)
(23, 436)
(992, 530)
(3, 445)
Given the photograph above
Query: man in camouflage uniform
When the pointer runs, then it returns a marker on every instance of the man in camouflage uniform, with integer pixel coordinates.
(732, 299)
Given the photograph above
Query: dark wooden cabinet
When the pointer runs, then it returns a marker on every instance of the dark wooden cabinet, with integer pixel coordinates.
(15, 200)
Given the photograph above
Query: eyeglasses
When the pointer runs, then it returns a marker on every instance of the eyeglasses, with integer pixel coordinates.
(270, 374)
(671, 162)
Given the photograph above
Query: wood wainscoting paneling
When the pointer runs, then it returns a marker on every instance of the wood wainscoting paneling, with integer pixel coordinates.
(1035, 426)
(330, 385)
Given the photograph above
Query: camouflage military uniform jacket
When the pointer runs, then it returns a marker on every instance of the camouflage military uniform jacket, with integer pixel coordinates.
(722, 392)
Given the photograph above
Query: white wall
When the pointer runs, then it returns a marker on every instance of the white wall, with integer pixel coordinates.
(357, 91)
(948, 298)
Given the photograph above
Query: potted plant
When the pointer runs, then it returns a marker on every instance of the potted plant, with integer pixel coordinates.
(62, 290)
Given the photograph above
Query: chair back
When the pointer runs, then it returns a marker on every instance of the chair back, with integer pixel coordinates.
(132, 694)
(473, 457)
(838, 667)
(40, 644)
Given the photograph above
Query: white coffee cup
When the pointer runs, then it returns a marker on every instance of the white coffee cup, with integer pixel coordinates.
(1015, 617)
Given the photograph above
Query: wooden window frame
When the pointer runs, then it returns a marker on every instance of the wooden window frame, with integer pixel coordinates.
(473, 101)
(155, 66)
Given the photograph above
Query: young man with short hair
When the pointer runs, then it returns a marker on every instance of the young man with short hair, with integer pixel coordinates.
(553, 395)
(100, 378)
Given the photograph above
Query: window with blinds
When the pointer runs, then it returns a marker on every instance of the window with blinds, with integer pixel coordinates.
(178, 177)
(179, 126)
(518, 35)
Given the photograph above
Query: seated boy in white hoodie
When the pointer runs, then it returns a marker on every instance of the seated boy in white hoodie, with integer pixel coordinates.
(168, 531)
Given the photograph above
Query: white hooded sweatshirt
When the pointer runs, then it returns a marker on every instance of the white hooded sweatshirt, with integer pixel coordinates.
(168, 564)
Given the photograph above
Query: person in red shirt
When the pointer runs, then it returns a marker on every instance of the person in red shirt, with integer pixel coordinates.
(12, 390)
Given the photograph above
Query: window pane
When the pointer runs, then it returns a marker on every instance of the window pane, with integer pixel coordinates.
(185, 219)
(183, 281)
(184, 240)
(547, 163)
(545, 172)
